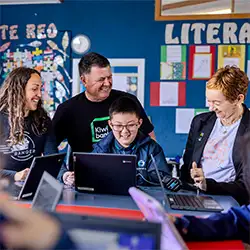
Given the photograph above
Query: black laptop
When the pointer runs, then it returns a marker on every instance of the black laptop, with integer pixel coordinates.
(186, 201)
(49, 163)
(104, 173)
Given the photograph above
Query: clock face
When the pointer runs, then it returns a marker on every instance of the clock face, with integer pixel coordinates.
(80, 44)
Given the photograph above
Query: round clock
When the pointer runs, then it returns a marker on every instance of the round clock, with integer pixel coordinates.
(80, 44)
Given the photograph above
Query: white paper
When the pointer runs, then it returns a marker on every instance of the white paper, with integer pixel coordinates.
(120, 82)
(202, 66)
(248, 69)
(174, 53)
(169, 93)
(183, 119)
(231, 61)
(166, 71)
(202, 49)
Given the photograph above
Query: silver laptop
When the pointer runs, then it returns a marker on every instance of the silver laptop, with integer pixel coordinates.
(47, 194)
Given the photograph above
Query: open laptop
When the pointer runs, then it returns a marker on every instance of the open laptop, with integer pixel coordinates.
(154, 212)
(101, 233)
(104, 173)
(47, 194)
(188, 202)
(50, 163)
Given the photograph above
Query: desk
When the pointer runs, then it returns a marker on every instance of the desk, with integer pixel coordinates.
(124, 207)
(71, 197)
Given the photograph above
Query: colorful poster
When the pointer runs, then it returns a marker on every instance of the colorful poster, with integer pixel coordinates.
(184, 117)
(168, 94)
(201, 62)
(231, 55)
(173, 62)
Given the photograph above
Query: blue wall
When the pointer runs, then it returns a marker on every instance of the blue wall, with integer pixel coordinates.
(118, 29)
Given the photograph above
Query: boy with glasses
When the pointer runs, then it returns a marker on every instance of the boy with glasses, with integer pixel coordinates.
(126, 138)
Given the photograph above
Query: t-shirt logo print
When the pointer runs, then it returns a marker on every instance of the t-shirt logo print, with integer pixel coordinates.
(99, 128)
(22, 151)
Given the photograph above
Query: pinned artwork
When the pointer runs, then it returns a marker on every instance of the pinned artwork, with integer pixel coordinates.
(65, 43)
(44, 56)
(173, 62)
(231, 55)
(168, 94)
(201, 62)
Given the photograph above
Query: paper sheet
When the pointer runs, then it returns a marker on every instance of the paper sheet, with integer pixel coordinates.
(174, 53)
(202, 49)
(248, 69)
(120, 83)
(231, 61)
(202, 66)
(169, 93)
(183, 119)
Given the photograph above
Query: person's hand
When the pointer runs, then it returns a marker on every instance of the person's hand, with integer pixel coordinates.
(27, 229)
(69, 178)
(21, 175)
(197, 175)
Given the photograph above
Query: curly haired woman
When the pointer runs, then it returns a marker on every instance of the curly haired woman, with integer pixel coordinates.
(25, 126)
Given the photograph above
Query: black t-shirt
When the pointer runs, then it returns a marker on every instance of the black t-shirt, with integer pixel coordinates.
(84, 123)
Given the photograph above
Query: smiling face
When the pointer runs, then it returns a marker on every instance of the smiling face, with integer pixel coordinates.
(98, 83)
(222, 107)
(33, 92)
(125, 127)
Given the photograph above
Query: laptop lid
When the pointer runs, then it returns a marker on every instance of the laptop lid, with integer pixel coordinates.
(50, 163)
(47, 194)
(104, 173)
(160, 180)
(108, 233)
(154, 212)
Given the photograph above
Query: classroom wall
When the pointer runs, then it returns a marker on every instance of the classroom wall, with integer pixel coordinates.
(120, 29)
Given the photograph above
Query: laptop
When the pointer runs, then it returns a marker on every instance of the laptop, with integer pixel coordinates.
(188, 202)
(50, 163)
(154, 212)
(99, 233)
(104, 173)
(47, 194)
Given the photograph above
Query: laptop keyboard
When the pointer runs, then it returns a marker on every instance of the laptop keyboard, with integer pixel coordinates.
(193, 202)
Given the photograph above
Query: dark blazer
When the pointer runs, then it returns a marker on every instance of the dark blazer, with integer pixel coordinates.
(201, 128)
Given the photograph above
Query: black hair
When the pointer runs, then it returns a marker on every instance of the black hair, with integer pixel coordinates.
(92, 59)
(125, 104)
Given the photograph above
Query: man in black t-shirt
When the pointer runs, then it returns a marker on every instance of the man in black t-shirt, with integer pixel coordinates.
(83, 120)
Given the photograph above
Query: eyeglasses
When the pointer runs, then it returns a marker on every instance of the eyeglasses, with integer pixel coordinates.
(118, 127)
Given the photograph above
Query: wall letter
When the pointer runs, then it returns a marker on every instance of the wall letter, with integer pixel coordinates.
(13, 32)
(169, 35)
(185, 33)
(229, 30)
(30, 31)
(197, 27)
(244, 36)
(3, 29)
(41, 31)
(52, 30)
(213, 30)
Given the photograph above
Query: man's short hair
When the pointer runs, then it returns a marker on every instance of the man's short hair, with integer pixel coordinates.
(92, 59)
(124, 104)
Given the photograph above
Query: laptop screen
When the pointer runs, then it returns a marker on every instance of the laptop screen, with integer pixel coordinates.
(108, 233)
(48, 193)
